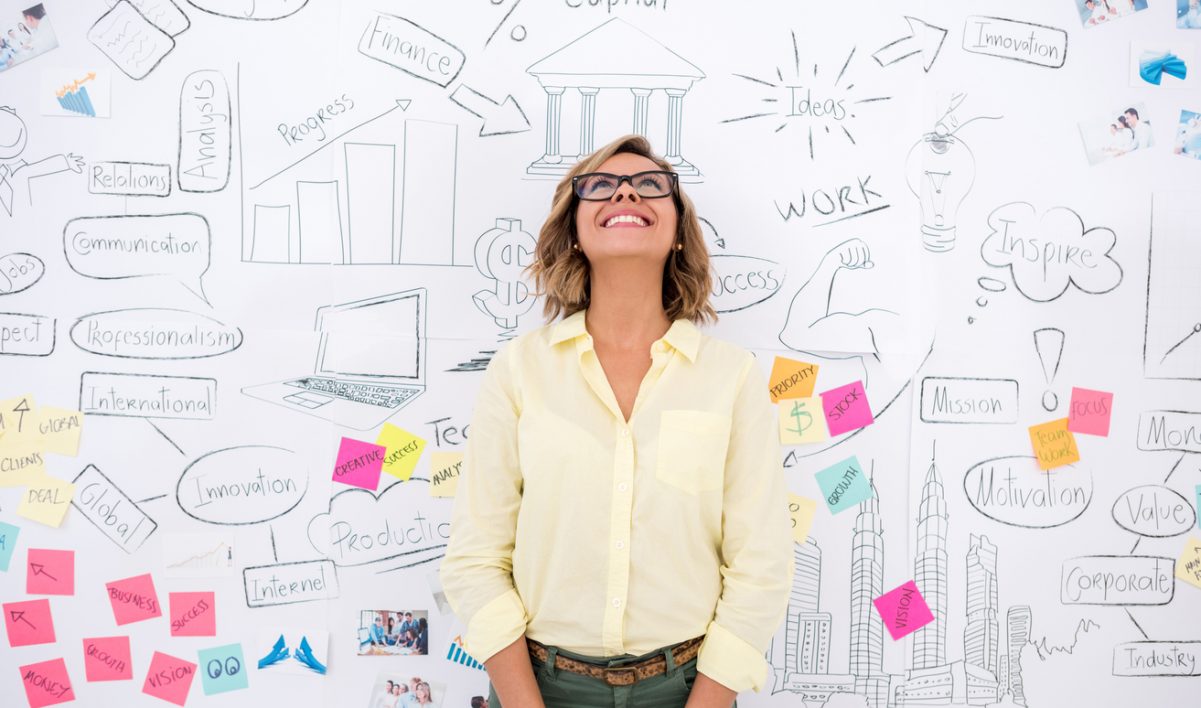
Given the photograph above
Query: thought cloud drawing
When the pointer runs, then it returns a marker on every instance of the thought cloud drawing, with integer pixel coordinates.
(1047, 253)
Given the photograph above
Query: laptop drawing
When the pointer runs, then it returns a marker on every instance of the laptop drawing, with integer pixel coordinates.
(370, 362)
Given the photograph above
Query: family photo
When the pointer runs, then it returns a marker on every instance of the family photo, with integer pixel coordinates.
(1188, 14)
(26, 38)
(394, 691)
(1124, 131)
(1100, 12)
(1188, 135)
(393, 633)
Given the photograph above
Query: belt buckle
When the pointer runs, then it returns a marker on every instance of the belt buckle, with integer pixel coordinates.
(620, 675)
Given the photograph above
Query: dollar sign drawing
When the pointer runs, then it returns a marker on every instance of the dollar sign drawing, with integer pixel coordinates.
(501, 254)
(796, 413)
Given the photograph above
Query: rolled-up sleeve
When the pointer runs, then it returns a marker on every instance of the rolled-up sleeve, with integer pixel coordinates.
(477, 570)
(756, 548)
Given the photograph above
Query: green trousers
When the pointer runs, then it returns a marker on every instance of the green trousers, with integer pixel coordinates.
(564, 689)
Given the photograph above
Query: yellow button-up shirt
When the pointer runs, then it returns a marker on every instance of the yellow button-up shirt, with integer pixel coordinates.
(606, 537)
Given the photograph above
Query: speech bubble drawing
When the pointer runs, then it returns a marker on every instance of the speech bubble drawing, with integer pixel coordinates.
(240, 486)
(154, 333)
(403, 524)
(116, 247)
(1045, 254)
(20, 271)
(250, 9)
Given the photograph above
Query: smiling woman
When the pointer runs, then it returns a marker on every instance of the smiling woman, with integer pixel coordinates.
(618, 434)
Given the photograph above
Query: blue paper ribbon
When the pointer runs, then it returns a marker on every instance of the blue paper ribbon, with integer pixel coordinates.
(1152, 69)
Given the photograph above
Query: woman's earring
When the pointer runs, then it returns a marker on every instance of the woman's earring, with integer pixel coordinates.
(575, 246)
(679, 246)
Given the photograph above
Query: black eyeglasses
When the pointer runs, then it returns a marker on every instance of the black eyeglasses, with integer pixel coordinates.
(601, 186)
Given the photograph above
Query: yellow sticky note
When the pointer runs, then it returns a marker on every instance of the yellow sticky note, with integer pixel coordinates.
(791, 379)
(46, 500)
(404, 449)
(1188, 566)
(444, 473)
(802, 421)
(802, 511)
(20, 463)
(18, 420)
(1054, 444)
(59, 429)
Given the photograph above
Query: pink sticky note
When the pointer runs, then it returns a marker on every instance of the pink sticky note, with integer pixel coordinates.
(133, 599)
(46, 683)
(903, 610)
(1090, 411)
(169, 678)
(50, 572)
(28, 622)
(846, 408)
(359, 463)
(193, 614)
(107, 659)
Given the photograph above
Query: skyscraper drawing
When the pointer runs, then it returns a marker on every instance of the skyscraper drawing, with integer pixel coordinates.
(867, 583)
(807, 644)
(930, 572)
(1018, 630)
(981, 638)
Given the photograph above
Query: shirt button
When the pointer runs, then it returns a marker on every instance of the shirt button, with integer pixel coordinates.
(621, 544)
(622, 486)
(625, 432)
(617, 602)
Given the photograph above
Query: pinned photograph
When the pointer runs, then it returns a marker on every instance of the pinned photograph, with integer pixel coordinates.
(1188, 14)
(1163, 64)
(1102, 12)
(25, 37)
(291, 651)
(394, 690)
(1188, 135)
(393, 633)
(1121, 132)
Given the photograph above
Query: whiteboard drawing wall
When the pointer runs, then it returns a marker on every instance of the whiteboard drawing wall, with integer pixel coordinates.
(255, 256)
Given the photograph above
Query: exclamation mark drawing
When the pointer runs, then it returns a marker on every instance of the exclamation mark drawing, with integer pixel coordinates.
(1048, 344)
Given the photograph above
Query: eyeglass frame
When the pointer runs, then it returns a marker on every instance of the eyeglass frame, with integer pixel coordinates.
(673, 177)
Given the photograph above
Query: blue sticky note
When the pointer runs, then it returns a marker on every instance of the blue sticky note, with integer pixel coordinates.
(844, 485)
(8, 541)
(222, 669)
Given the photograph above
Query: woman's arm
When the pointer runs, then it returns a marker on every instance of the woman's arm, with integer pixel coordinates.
(477, 570)
(756, 551)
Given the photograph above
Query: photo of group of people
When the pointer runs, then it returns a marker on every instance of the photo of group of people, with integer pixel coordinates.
(26, 38)
(1128, 131)
(1188, 135)
(1100, 12)
(393, 691)
(1188, 14)
(392, 633)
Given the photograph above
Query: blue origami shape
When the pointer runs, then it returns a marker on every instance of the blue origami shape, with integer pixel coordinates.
(305, 656)
(1152, 67)
(279, 652)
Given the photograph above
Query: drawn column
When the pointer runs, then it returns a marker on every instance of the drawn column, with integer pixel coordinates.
(587, 119)
(554, 96)
(675, 119)
(640, 96)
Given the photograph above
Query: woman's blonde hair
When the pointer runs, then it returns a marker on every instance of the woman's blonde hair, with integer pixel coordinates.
(562, 274)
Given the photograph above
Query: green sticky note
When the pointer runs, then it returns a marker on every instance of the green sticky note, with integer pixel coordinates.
(222, 669)
(8, 543)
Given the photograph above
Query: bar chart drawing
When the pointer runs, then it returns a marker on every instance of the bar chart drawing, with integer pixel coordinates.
(381, 194)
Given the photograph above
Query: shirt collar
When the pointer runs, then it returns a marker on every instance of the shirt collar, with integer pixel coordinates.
(683, 335)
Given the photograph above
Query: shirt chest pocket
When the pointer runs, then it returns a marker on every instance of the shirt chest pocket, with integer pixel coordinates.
(692, 450)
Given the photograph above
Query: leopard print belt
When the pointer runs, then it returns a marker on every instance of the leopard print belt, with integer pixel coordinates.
(621, 675)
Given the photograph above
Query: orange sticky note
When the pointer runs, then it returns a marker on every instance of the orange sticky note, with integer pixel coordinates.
(802, 511)
(791, 379)
(1054, 444)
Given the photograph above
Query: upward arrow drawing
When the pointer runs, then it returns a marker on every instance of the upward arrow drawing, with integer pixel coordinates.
(923, 38)
(39, 569)
(19, 616)
(22, 408)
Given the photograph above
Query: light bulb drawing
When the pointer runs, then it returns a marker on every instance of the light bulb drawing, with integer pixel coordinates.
(940, 171)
